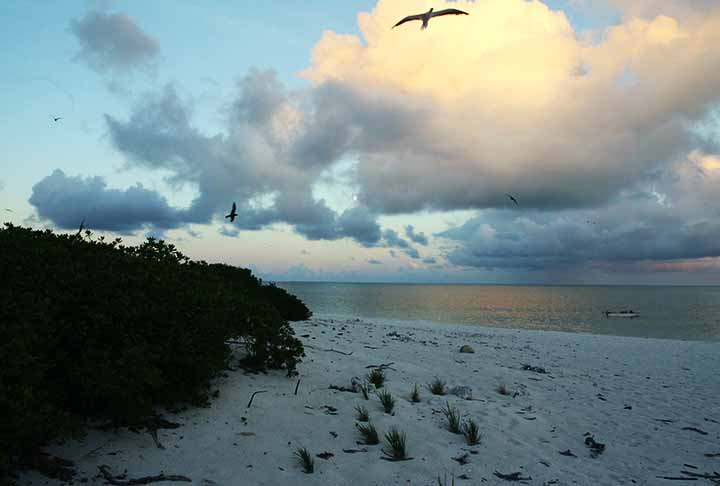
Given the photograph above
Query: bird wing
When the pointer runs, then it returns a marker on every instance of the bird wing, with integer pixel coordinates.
(408, 19)
(449, 11)
(234, 208)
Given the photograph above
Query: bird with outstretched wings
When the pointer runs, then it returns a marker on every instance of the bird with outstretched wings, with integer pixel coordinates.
(425, 17)
(233, 213)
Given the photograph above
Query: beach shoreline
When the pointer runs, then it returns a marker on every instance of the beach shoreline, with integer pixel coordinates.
(652, 402)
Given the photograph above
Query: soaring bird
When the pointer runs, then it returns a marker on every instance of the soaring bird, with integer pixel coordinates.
(233, 213)
(9, 210)
(425, 17)
(513, 199)
(57, 118)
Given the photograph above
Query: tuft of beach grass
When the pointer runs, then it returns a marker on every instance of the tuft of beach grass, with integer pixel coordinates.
(387, 400)
(453, 418)
(397, 442)
(471, 431)
(305, 459)
(368, 433)
(437, 387)
(362, 414)
(415, 395)
(376, 377)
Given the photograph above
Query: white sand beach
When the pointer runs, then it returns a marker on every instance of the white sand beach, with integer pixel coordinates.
(653, 403)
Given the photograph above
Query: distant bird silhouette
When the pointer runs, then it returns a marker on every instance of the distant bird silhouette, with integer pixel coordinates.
(9, 210)
(82, 227)
(425, 17)
(57, 118)
(233, 213)
(513, 199)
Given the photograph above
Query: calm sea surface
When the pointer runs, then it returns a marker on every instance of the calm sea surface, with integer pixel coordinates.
(665, 312)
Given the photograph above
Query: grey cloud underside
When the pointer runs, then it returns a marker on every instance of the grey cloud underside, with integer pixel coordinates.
(66, 201)
(113, 42)
(419, 238)
(664, 222)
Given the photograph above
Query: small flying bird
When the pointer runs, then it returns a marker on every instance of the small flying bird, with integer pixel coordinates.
(513, 199)
(9, 210)
(82, 227)
(425, 17)
(57, 118)
(233, 213)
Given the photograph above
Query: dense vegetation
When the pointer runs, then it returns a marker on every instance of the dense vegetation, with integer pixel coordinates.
(92, 329)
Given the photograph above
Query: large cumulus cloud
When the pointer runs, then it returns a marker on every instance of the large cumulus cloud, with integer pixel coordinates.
(511, 99)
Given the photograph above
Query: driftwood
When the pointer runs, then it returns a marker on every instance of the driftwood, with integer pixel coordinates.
(329, 350)
(677, 478)
(516, 476)
(341, 388)
(297, 386)
(253, 397)
(714, 476)
(712, 454)
(354, 451)
(695, 429)
(381, 366)
(110, 479)
(568, 453)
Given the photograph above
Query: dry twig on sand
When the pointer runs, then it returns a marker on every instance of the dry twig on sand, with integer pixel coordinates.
(110, 479)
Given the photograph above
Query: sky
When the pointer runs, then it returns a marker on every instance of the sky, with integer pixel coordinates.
(357, 152)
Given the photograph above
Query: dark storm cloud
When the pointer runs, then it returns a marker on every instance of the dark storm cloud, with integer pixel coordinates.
(66, 201)
(113, 42)
(418, 238)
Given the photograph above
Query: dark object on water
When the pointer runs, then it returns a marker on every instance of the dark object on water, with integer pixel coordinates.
(596, 448)
(630, 314)
(516, 476)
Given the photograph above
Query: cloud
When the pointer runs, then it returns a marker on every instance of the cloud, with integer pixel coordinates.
(113, 43)
(418, 238)
(429, 261)
(373, 261)
(493, 102)
(67, 200)
(659, 225)
(393, 240)
(361, 225)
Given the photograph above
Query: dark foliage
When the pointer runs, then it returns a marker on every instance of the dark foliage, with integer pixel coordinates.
(96, 329)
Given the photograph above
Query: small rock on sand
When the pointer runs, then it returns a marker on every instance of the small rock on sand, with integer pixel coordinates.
(466, 348)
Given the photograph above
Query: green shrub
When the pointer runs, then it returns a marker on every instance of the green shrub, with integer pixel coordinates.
(95, 329)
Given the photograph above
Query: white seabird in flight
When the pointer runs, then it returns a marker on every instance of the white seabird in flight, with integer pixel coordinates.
(425, 17)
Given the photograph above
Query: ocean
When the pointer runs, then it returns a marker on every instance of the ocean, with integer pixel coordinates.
(666, 312)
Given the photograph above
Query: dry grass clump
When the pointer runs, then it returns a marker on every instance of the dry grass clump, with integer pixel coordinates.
(369, 434)
(397, 442)
(362, 414)
(305, 459)
(387, 400)
(471, 431)
(453, 417)
(415, 395)
(376, 377)
(437, 387)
